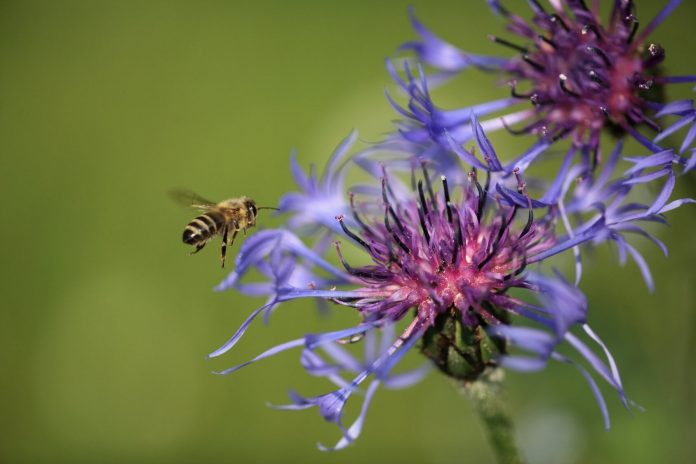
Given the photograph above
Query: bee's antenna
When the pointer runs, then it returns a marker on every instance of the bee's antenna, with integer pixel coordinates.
(268, 207)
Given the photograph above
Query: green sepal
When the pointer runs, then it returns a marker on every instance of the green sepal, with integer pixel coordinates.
(460, 351)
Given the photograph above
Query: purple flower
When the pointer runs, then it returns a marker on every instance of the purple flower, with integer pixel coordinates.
(444, 260)
(337, 362)
(321, 197)
(608, 208)
(445, 254)
(581, 74)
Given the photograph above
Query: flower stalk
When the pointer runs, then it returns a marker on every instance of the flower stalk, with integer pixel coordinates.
(487, 397)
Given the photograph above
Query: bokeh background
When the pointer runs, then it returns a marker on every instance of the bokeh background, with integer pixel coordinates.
(106, 319)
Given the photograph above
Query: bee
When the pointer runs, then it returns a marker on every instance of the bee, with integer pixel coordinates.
(225, 218)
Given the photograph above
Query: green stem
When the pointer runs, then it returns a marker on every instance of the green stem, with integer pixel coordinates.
(486, 394)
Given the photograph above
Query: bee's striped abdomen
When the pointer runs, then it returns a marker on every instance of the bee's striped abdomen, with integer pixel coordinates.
(203, 227)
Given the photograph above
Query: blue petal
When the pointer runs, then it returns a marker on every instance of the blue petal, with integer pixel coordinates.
(315, 365)
(648, 177)
(524, 160)
(553, 194)
(675, 127)
(688, 139)
(593, 385)
(657, 20)
(485, 145)
(643, 140)
(676, 204)
(678, 79)
(534, 340)
(661, 158)
(332, 170)
(342, 357)
(598, 366)
(238, 334)
(632, 228)
(522, 363)
(398, 381)
(353, 432)
(588, 234)
(440, 54)
(643, 266)
(675, 107)
(463, 154)
(266, 354)
(664, 195)
(297, 172)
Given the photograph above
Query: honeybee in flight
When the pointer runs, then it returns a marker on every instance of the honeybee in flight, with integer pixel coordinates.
(226, 218)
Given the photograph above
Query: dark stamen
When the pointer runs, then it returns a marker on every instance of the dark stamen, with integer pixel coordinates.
(386, 186)
(506, 43)
(537, 6)
(525, 130)
(634, 29)
(515, 94)
(341, 258)
(389, 207)
(591, 28)
(447, 199)
(481, 194)
(421, 196)
(429, 186)
(351, 234)
(594, 77)
(528, 225)
(600, 53)
(393, 234)
(522, 267)
(502, 11)
(645, 84)
(582, 5)
(562, 78)
(555, 19)
(538, 100)
(548, 41)
(458, 240)
(397, 221)
(490, 248)
(503, 227)
(560, 134)
(354, 210)
(422, 223)
(655, 54)
(481, 201)
(522, 188)
(356, 272)
(517, 271)
(533, 63)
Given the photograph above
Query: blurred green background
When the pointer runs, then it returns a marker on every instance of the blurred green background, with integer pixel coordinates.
(106, 319)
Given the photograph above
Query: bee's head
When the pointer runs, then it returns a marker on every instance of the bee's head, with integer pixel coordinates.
(251, 206)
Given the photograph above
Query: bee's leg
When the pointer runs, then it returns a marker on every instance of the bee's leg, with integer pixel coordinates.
(235, 227)
(199, 247)
(224, 247)
(234, 234)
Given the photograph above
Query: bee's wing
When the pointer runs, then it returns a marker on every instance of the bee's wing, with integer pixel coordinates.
(190, 199)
